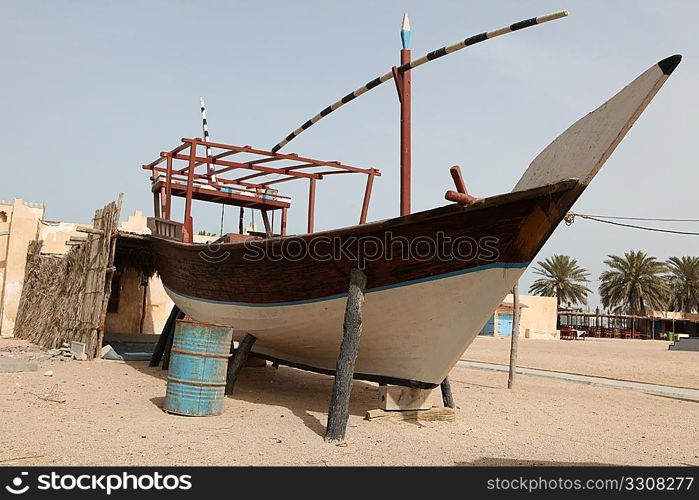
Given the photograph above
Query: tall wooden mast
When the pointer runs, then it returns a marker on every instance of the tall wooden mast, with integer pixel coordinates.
(405, 125)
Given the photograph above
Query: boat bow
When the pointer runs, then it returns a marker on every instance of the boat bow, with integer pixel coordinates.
(584, 147)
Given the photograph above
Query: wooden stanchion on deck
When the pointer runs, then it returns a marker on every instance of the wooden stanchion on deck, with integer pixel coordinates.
(235, 364)
(338, 413)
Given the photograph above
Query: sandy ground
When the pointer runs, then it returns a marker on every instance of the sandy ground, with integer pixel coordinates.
(112, 416)
(636, 360)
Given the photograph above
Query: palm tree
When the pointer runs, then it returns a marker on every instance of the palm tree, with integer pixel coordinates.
(684, 282)
(634, 283)
(563, 279)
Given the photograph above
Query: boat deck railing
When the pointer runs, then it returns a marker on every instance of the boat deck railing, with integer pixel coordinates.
(201, 170)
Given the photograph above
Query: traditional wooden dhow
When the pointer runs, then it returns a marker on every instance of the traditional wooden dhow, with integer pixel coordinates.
(429, 280)
(434, 278)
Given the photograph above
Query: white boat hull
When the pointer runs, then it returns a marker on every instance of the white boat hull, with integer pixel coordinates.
(411, 331)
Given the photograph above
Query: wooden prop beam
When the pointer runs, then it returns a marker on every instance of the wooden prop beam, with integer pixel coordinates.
(514, 336)
(168, 348)
(447, 397)
(168, 329)
(431, 56)
(89, 230)
(235, 364)
(338, 413)
(170, 337)
(267, 223)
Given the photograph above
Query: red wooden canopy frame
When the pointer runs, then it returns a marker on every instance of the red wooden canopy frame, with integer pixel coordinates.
(253, 174)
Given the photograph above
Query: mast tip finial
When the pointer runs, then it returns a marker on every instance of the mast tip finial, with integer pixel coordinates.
(405, 31)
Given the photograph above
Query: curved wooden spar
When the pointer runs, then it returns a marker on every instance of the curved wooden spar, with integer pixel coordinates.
(435, 54)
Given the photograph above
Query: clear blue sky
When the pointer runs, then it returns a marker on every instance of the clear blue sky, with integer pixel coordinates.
(92, 90)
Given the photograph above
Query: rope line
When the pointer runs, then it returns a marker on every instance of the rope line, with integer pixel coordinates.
(618, 217)
(570, 218)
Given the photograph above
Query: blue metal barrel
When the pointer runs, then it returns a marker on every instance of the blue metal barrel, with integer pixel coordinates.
(198, 363)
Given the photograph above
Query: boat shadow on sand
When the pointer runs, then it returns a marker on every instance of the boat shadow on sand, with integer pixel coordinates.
(306, 395)
(516, 462)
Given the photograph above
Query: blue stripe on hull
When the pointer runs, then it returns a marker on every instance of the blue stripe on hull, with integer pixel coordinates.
(494, 265)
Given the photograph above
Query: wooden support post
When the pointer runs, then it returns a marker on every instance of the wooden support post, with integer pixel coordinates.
(157, 204)
(514, 336)
(168, 188)
(168, 329)
(311, 205)
(168, 349)
(235, 364)
(163, 201)
(447, 397)
(338, 413)
(144, 303)
(282, 230)
(188, 222)
(89, 230)
(170, 339)
(367, 199)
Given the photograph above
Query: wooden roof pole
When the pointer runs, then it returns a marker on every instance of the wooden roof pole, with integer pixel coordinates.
(188, 222)
(311, 205)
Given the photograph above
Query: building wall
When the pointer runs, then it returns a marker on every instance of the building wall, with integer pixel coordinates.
(130, 289)
(674, 315)
(22, 222)
(537, 317)
(20, 227)
(5, 218)
(127, 320)
(55, 234)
